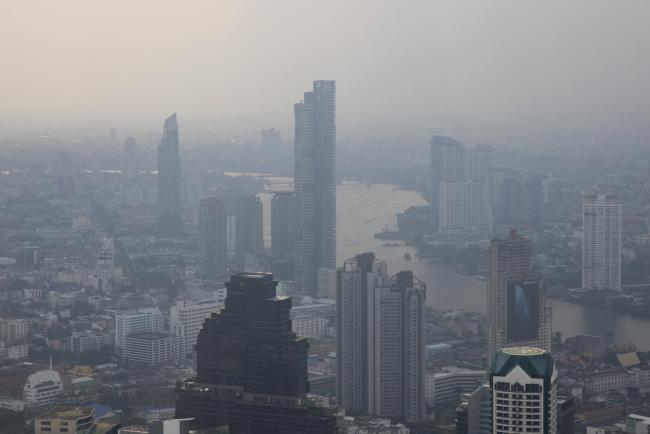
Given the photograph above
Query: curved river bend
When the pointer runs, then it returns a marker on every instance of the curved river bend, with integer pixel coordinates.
(364, 210)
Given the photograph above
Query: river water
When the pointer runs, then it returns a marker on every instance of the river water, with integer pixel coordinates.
(364, 210)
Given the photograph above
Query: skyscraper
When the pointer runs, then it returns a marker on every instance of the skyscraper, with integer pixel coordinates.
(602, 217)
(380, 345)
(169, 180)
(523, 384)
(213, 256)
(251, 367)
(315, 185)
(249, 238)
(282, 213)
(130, 158)
(447, 164)
(518, 314)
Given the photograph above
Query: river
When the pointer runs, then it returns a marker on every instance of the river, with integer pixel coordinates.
(364, 210)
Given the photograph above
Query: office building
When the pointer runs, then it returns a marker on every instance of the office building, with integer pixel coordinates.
(252, 369)
(282, 213)
(137, 321)
(464, 206)
(193, 187)
(566, 415)
(169, 180)
(473, 413)
(271, 143)
(43, 388)
(187, 317)
(602, 221)
(315, 185)
(450, 384)
(13, 330)
(521, 202)
(518, 314)
(249, 237)
(380, 345)
(479, 161)
(153, 348)
(523, 383)
(213, 255)
(130, 159)
(66, 420)
(447, 165)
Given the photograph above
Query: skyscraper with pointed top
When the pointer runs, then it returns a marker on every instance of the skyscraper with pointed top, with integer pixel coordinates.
(169, 180)
(315, 185)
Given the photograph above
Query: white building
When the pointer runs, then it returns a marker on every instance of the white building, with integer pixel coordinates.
(465, 206)
(187, 316)
(152, 348)
(523, 383)
(449, 385)
(138, 321)
(602, 221)
(43, 388)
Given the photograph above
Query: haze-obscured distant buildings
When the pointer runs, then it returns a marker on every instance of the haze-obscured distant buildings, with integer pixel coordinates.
(169, 180)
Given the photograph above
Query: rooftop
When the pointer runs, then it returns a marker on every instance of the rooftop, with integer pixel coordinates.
(536, 362)
(66, 413)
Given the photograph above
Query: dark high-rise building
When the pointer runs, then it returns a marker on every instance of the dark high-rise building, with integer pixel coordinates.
(249, 237)
(566, 415)
(252, 368)
(282, 211)
(447, 165)
(213, 255)
(169, 180)
(315, 185)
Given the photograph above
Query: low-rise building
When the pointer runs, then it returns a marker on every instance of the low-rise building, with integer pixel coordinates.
(43, 388)
(66, 420)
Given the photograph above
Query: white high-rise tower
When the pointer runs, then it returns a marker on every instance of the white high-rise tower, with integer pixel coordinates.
(602, 221)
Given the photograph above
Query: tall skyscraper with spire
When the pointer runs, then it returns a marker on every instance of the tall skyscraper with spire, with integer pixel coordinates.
(169, 180)
(315, 185)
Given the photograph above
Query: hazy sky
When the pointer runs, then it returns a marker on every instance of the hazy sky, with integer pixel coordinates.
(398, 61)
